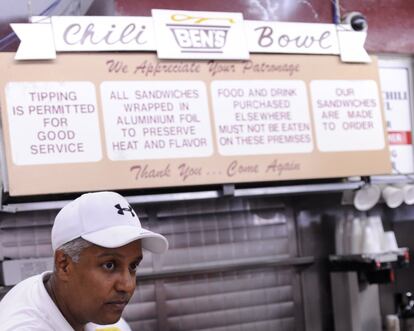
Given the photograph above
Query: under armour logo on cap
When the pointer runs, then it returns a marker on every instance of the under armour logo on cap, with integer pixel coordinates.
(121, 210)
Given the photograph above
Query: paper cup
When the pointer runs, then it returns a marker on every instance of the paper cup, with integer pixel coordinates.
(393, 196)
(367, 197)
(408, 194)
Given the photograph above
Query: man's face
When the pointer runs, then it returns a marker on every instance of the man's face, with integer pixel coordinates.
(102, 282)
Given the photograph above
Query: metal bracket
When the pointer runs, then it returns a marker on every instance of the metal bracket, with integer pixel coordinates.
(228, 189)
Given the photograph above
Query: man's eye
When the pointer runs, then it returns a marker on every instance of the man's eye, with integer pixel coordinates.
(134, 266)
(109, 266)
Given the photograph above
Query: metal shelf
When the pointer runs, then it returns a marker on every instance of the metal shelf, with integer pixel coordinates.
(245, 264)
(392, 179)
(228, 190)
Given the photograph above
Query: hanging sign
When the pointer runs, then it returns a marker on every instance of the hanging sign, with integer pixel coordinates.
(103, 121)
(176, 34)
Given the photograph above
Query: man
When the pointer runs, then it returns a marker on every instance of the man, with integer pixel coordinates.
(97, 241)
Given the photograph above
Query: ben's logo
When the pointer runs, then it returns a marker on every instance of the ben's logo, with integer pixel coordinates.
(195, 36)
(122, 211)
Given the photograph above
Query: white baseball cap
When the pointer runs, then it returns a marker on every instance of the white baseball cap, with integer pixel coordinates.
(105, 219)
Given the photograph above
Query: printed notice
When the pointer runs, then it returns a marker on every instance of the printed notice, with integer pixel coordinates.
(396, 96)
(156, 119)
(53, 122)
(261, 117)
(347, 115)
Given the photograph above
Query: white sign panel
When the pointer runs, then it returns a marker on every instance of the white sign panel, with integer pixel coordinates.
(396, 96)
(261, 117)
(351, 44)
(53, 122)
(36, 41)
(186, 35)
(103, 33)
(156, 119)
(347, 115)
(289, 37)
(199, 35)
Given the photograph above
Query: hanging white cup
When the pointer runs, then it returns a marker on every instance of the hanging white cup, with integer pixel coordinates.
(367, 197)
(393, 196)
(408, 194)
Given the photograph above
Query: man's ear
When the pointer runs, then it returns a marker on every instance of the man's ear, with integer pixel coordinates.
(63, 265)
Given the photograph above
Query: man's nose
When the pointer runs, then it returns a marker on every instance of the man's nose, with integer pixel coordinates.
(126, 281)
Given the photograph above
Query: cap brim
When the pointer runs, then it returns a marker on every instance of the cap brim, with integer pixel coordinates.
(118, 236)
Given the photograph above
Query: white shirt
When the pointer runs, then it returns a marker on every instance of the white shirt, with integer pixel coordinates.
(28, 307)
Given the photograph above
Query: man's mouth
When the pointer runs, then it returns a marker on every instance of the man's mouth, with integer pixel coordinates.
(117, 304)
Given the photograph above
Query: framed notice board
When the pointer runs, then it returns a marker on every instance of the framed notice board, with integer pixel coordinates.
(97, 121)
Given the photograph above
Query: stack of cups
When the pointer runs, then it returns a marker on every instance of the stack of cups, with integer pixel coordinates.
(339, 237)
(356, 236)
(349, 236)
(373, 232)
(389, 242)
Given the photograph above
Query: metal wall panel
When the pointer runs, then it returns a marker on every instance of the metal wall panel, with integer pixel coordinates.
(216, 232)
